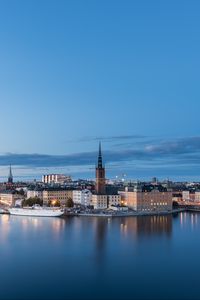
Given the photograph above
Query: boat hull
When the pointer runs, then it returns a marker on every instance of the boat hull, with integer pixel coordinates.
(36, 212)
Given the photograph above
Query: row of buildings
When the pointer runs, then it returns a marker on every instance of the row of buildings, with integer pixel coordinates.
(138, 198)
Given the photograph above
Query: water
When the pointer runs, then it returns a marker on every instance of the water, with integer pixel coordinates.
(155, 257)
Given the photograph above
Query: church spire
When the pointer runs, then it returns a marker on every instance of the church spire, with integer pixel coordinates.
(100, 157)
(10, 176)
(100, 175)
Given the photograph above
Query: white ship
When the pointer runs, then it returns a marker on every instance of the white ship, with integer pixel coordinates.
(36, 211)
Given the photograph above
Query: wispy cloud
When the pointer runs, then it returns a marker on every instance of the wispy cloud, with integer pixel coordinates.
(180, 151)
(110, 138)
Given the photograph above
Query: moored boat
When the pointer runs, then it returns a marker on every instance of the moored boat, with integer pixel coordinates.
(36, 211)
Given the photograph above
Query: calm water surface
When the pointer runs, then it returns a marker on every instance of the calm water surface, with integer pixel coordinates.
(155, 257)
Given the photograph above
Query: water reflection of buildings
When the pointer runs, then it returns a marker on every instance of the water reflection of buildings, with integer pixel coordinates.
(4, 227)
(147, 226)
(101, 230)
(27, 225)
(188, 219)
(155, 225)
(54, 224)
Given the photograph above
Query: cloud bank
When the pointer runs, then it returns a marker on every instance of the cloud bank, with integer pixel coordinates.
(182, 151)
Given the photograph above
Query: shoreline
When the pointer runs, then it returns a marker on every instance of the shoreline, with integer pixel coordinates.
(125, 214)
(131, 214)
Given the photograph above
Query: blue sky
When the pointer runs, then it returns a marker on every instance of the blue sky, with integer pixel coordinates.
(124, 72)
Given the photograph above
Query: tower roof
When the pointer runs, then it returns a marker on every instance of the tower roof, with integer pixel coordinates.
(100, 165)
(10, 176)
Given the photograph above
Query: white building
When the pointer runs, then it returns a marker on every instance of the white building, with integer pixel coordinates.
(34, 194)
(105, 201)
(83, 197)
(56, 178)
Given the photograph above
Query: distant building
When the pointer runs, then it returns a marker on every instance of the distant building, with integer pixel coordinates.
(83, 197)
(56, 178)
(154, 180)
(153, 200)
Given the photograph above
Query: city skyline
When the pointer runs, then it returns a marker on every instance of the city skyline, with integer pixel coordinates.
(126, 74)
(88, 161)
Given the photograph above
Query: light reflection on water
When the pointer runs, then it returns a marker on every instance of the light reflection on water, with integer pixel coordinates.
(59, 252)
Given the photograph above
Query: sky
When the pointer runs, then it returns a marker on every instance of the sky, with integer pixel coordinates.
(126, 73)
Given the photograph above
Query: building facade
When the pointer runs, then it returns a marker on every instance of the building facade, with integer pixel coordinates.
(34, 194)
(82, 197)
(99, 201)
(197, 196)
(105, 201)
(9, 198)
(114, 200)
(147, 201)
(56, 179)
(61, 195)
(188, 196)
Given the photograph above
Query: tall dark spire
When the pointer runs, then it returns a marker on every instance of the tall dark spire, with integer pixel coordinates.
(100, 157)
(100, 175)
(10, 176)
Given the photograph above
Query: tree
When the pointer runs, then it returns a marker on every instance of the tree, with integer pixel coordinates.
(32, 201)
(20, 192)
(69, 202)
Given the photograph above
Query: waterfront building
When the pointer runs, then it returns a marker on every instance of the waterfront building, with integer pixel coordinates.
(9, 198)
(105, 201)
(61, 195)
(152, 200)
(83, 197)
(99, 201)
(56, 179)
